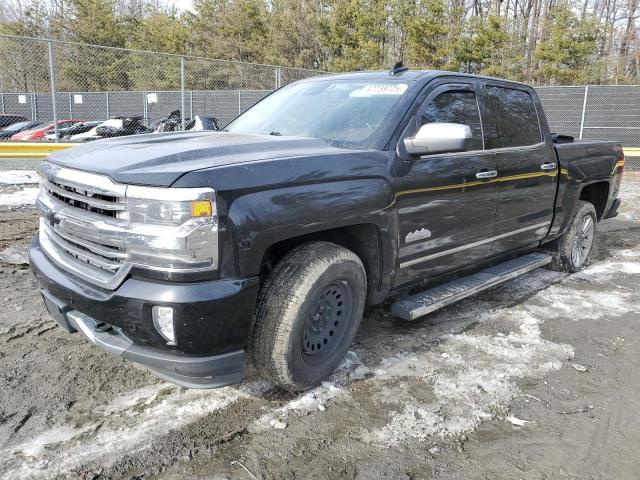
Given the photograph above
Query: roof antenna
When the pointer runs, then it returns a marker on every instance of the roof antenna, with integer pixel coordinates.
(398, 68)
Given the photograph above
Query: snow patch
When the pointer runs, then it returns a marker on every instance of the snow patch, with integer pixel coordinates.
(626, 253)
(611, 268)
(54, 436)
(316, 398)
(469, 378)
(157, 409)
(473, 378)
(562, 300)
(623, 261)
(18, 177)
(128, 403)
(26, 196)
(307, 402)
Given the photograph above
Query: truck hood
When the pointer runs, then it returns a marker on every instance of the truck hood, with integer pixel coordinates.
(160, 159)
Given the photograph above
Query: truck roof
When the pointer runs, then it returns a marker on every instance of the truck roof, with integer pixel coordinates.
(406, 76)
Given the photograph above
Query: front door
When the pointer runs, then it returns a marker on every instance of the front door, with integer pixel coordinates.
(447, 202)
(527, 167)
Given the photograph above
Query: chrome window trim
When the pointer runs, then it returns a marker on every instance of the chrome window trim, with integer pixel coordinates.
(432, 256)
(517, 148)
(467, 153)
(480, 152)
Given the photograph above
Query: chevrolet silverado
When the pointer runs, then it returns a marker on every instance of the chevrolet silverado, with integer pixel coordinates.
(189, 252)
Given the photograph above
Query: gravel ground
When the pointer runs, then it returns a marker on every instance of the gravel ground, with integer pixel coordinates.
(534, 379)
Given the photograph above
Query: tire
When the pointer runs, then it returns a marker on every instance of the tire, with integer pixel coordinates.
(570, 253)
(308, 312)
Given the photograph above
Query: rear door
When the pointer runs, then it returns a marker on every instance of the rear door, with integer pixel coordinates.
(526, 163)
(446, 202)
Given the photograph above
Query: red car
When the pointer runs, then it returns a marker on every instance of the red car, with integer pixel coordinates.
(40, 131)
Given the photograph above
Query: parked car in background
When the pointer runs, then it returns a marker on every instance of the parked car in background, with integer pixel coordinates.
(173, 123)
(78, 128)
(92, 134)
(7, 119)
(8, 132)
(129, 126)
(114, 127)
(39, 133)
(200, 123)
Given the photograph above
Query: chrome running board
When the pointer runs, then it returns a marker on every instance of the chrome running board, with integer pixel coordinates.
(440, 296)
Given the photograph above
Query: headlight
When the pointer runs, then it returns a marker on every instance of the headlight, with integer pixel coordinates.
(173, 229)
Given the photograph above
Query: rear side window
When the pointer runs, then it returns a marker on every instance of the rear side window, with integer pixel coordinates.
(456, 107)
(516, 119)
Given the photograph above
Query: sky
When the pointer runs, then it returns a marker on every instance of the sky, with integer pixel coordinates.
(181, 5)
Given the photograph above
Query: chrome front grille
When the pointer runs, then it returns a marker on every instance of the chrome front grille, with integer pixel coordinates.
(82, 223)
(85, 199)
(101, 256)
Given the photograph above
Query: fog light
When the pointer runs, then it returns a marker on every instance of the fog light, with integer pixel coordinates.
(163, 321)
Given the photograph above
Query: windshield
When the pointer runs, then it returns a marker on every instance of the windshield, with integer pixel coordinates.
(343, 113)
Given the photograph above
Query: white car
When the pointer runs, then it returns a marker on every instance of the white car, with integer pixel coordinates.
(81, 137)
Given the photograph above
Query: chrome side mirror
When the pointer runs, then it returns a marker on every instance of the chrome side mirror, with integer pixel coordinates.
(438, 138)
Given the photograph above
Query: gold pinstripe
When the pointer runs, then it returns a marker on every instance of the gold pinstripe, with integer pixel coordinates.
(619, 164)
(509, 178)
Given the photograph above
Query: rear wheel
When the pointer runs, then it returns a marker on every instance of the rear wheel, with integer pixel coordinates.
(571, 251)
(308, 313)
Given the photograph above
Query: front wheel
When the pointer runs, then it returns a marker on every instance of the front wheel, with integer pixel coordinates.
(308, 313)
(571, 251)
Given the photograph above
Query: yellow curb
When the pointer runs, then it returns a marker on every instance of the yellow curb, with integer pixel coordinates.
(30, 149)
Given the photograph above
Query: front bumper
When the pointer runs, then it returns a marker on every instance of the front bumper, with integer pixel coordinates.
(212, 321)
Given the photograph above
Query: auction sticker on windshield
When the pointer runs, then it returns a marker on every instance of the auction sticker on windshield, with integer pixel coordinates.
(380, 89)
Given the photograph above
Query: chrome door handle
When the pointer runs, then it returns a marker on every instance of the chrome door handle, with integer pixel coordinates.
(548, 166)
(487, 174)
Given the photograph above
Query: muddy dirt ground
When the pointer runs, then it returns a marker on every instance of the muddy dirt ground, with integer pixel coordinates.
(535, 379)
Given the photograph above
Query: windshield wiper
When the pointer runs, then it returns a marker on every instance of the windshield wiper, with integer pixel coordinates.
(276, 134)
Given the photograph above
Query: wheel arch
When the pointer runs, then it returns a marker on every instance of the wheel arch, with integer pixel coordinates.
(596, 193)
(365, 240)
(262, 226)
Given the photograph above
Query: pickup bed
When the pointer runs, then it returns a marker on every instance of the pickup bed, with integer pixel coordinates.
(187, 252)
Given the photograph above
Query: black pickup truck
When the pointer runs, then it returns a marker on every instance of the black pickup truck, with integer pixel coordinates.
(187, 252)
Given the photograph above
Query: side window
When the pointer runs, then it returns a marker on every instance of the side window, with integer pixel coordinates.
(456, 107)
(516, 119)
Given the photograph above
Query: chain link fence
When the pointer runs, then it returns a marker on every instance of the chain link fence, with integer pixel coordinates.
(49, 80)
(596, 112)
